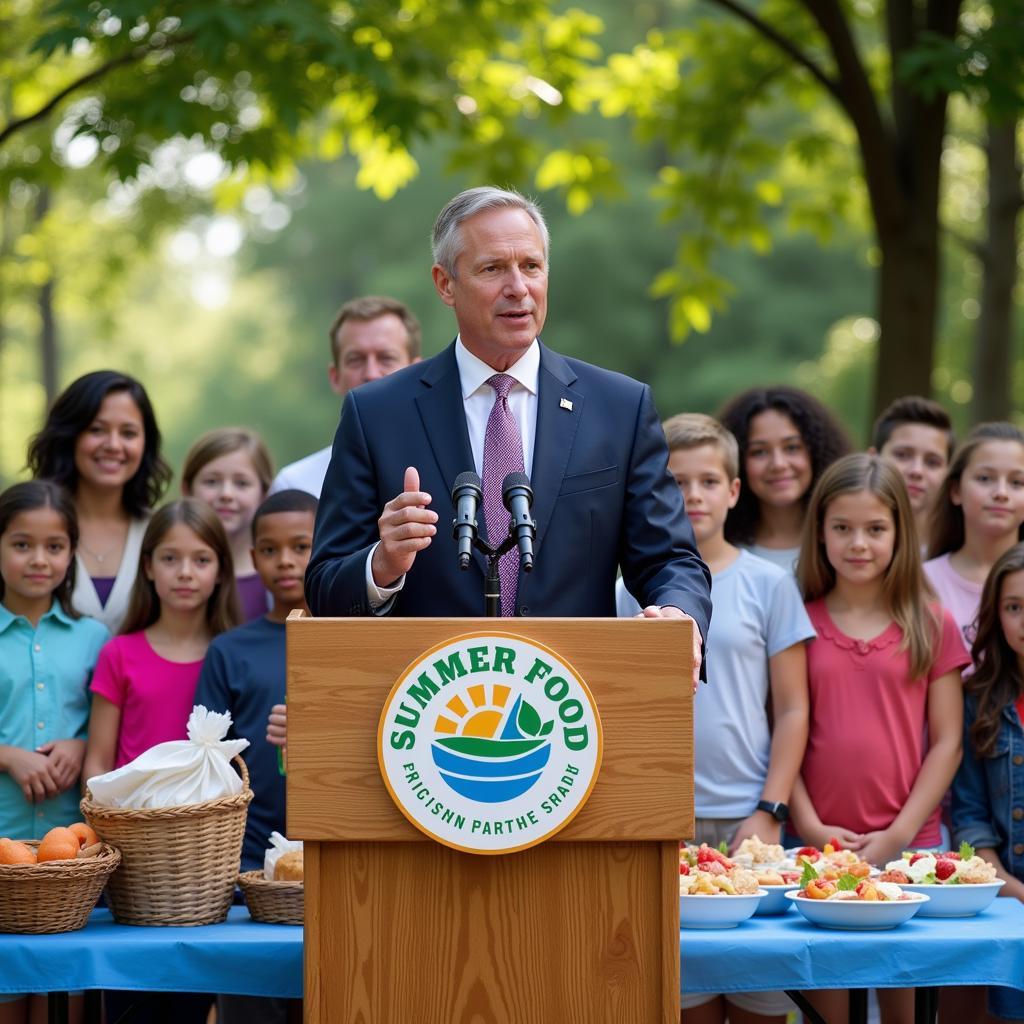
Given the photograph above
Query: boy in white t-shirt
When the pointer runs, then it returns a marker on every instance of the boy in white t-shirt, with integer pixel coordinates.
(744, 768)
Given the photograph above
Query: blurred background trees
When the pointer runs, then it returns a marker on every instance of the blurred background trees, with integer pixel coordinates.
(790, 190)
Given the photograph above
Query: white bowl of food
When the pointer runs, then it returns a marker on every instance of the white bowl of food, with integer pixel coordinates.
(718, 911)
(847, 910)
(956, 900)
(958, 884)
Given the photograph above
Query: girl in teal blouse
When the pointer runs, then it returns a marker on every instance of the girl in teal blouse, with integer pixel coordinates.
(47, 654)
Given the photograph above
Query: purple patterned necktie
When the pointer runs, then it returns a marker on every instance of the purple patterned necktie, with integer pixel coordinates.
(503, 454)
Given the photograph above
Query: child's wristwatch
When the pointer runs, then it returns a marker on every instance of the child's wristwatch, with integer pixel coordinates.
(778, 810)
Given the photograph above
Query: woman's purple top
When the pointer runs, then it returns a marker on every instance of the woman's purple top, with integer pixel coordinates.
(104, 585)
(253, 597)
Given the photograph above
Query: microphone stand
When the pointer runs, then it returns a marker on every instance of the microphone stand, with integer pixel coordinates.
(492, 581)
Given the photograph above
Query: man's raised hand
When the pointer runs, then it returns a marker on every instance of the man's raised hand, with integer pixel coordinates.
(406, 527)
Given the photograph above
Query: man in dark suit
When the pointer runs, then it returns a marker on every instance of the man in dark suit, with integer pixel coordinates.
(589, 440)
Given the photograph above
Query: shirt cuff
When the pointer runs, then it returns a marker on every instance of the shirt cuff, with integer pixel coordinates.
(380, 598)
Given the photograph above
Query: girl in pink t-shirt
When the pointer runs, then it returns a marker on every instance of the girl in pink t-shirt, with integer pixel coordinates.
(145, 679)
(883, 674)
(979, 515)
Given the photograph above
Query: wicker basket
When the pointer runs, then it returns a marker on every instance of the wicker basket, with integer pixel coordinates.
(178, 864)
(272, 902)
(55, 896)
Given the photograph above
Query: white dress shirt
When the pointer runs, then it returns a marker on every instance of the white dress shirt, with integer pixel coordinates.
(477, 401)
(304, 475)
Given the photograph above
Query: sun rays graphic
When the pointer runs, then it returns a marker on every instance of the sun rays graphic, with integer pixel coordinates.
(481, 716)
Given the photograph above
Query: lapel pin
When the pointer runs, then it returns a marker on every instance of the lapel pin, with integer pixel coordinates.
(564, 403)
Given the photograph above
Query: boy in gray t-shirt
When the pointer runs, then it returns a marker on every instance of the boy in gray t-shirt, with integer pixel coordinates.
(743, 769)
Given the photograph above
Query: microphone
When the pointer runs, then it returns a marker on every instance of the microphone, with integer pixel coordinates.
(517, 495)
(466, 497)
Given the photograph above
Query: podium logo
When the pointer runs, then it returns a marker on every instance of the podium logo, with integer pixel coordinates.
(499, 754)
(490, 743)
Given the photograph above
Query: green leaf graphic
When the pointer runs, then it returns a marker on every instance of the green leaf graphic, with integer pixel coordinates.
(546, 728)
(528, 720)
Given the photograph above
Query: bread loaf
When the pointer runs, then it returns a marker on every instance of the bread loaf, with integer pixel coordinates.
(289, 867)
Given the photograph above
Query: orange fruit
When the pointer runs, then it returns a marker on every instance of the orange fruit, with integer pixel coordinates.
(86, 836)
(13, 852)
(58, 844)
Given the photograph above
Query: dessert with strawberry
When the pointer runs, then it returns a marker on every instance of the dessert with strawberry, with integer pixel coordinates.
(962, 867)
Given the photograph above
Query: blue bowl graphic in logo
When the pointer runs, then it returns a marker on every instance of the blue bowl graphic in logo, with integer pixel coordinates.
(493, 769)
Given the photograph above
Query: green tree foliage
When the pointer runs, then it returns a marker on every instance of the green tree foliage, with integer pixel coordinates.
(709, 93)
(750, 125)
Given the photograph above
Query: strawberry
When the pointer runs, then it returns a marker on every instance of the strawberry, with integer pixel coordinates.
(684, 868)
(951, 856)
(917, 857)
(944, 869)
(835, 844)
(709, 855)
(810, 852)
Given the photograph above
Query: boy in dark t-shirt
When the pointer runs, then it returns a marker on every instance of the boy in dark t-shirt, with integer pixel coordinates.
(244, 670)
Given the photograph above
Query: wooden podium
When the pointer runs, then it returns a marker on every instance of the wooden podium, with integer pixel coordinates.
(401, 929)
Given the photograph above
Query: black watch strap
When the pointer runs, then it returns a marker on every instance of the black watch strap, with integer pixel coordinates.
(779, 811)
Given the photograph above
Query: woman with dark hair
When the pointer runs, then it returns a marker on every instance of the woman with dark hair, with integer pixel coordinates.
(101, 442)
(787, 440)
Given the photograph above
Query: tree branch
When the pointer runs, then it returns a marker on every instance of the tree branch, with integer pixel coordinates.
(783, 43)
(859, 101)
(97, 74)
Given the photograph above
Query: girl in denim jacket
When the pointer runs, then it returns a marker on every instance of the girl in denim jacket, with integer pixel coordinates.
(988, 791)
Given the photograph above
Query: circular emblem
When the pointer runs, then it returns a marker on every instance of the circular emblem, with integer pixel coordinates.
(489, 743)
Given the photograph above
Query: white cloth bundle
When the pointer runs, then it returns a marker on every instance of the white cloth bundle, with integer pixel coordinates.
(278, 847)
(179, 772)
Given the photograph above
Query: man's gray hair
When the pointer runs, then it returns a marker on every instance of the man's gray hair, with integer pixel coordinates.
(446, 241)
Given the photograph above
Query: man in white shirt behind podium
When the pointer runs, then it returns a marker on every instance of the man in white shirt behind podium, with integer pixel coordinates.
(371, 337)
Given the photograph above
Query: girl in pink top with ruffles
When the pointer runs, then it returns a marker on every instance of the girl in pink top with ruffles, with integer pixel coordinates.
(883, 676)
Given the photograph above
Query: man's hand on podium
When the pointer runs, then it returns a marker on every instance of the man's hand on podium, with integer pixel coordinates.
(277, 726)
(668, 611)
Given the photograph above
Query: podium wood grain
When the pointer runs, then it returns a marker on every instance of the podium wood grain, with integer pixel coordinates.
(584, 927)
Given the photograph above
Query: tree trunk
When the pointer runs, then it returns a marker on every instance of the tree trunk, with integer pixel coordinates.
(47, 319)
(908, 283)
(907, 216)
(993, 344)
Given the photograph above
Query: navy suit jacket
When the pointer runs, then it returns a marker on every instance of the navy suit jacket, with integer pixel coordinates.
(603, 497)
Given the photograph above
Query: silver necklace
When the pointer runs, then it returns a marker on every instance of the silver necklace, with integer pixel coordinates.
(100, 559)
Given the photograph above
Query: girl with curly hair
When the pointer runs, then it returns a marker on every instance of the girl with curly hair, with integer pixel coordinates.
(787, 439)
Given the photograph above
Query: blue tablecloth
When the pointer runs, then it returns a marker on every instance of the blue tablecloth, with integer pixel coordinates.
(766, 953)
(787, 952)
(240, 957)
